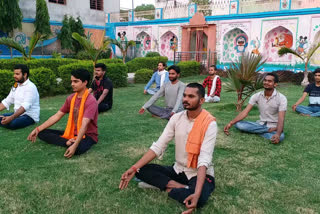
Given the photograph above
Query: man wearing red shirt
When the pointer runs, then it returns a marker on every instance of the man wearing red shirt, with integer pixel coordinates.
(213, 82)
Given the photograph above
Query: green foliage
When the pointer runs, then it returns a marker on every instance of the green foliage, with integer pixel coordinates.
(145, 62)
(76, 27)
(152, 54)
(42, 24)
(10, 15)
(203, 2)
(56, 55)
(65, 34)
(189, 68)
(123, 46)
(145, 7)
(84, 55)
(243, 77)
(45, 80)
(107, 61)
(15, 45)
(7, 81)
(143, 75)
(115, 71)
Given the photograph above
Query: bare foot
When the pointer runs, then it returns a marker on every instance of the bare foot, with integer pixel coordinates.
(308, 115)
(155, 116)
(173, 184)
(188, 211)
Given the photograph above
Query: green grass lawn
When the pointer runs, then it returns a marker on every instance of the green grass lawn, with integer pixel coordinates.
(252, 175)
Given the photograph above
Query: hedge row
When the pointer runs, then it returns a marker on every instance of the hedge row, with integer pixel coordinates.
(143, 75)
(7, 81)
(189, 68)
(145, 62)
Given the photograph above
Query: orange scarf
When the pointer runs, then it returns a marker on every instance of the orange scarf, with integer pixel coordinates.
(69, 132)
(196, 137)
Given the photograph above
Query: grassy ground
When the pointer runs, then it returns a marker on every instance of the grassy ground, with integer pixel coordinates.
(252, 175)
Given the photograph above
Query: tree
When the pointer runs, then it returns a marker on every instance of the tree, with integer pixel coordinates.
(10, 17)
(26, 52)
(89, 47)
(146, 7)
(76, 27)
(304, 57)
(42, 22)
(65, 34)
(123, 46)
(203, 2)
(243, 77)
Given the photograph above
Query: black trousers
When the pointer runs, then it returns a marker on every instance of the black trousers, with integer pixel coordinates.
(160, 176)
(52, 136)
(102, 107)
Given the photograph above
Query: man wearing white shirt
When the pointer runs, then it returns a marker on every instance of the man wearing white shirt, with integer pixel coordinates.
(191, 179)
(25, 97)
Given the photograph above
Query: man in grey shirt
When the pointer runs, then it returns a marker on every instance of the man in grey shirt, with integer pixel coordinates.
(272, 106)
(173, 93)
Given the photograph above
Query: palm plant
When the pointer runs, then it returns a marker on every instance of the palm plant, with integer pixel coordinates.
(304, 57)
(243, 77)
(123, 46)
(90, 48)
(26, 52)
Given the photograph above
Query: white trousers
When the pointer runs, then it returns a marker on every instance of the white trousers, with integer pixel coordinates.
(210, 99)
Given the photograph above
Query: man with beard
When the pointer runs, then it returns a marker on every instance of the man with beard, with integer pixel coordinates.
(313, 90)
(213, 82)
(272, 106)
(102, 88)
(191, 179)
(25, 97)
(159, 77)
(81, 131)
(172, 91)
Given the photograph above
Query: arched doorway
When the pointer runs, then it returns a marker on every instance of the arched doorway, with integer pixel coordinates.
(235, 43)
(145, 44)
(168, 43)
(193, 43)
(275, 39)
(316, 56)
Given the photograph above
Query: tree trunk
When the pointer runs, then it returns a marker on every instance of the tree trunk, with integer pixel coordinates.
(124, 57)
(305, 80)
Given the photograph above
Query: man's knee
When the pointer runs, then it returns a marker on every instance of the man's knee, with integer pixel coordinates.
(240, 125)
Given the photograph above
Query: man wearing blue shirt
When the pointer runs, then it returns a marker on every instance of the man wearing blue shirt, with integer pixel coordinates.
(159, 77)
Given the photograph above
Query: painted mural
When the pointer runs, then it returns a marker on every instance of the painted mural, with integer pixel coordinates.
(255, 46)
(302, 45)
(274, 40)
(235, 43)
(284, 4)
(145, 44)
(168, 43)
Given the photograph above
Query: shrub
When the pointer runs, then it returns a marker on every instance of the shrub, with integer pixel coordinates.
(152, 54)
(84, 55)
(189, 68)
(143, 75)
(145, 62)
(7, 81)
(45, 80)
(107, 61)
(115, 71)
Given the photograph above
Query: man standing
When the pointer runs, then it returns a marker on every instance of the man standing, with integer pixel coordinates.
(81, 131)
(25, 97)
(172, 91)
(102, 88)
(191, 179)
(213, 82)
(272, 106)
(159, 77)
(313, 90)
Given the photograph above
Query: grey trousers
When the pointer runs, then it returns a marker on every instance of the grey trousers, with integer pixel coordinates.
(161, 112)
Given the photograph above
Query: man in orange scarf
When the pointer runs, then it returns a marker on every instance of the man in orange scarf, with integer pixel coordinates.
(81, 131)
(191, 179)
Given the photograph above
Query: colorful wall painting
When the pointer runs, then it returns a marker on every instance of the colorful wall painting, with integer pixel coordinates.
(255, 45)
(145, 44)
(192, 9)
(315, 60)
(158, 13)
(274, 40)
(235, 43)
(234, 7)
(302, 45)
(168, 43)
(285, 4)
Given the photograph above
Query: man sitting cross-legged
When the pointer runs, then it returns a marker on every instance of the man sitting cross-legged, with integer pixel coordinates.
(172, 91)
(213, 82)
(191, 179)
(25, 97)
(102, 88)
(313, 90)
(81, 131)
(159, 77)
(272, 106)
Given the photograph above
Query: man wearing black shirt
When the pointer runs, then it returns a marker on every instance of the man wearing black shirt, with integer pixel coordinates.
(102, 88)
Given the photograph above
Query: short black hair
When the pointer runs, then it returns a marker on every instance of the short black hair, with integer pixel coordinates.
(275, 76)
(102, 66)
(316, 71)
(213, 66)
(175, 68)
(201, 91)
(163, 63)
(81, 74)
(24, 69)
